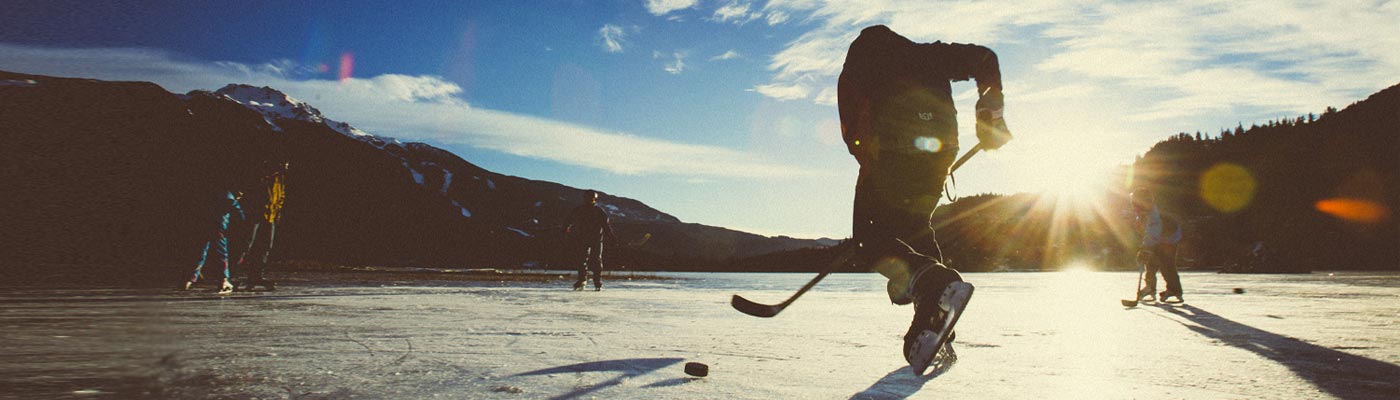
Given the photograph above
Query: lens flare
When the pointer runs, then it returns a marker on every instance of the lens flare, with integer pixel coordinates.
(1227, 187)
(347, 66)
(1354, 210)
(929, 144)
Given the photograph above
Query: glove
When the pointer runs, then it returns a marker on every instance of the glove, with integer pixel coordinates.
(991, 128)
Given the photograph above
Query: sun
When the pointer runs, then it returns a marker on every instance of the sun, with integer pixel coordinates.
(1076, 187)
(1078, 182)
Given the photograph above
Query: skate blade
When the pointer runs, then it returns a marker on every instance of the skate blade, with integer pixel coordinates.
(930, 342)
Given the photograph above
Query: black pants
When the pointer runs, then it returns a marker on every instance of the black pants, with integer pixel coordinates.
(259, 248)
(591, 253)
(895, 198)
(1162, 259)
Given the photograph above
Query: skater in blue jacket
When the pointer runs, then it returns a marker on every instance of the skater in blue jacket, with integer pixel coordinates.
(224, 212)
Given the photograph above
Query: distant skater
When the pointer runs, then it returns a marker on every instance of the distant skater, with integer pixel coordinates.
(1161, 233)
(898, 120)
(584, 232)
(226, 208)
(260, 240)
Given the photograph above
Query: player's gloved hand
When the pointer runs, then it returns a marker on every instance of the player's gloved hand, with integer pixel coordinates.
(1143, 255)
(991, 128)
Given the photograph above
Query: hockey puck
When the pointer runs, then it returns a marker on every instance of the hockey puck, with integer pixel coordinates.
(696, 369)
(1239, 290)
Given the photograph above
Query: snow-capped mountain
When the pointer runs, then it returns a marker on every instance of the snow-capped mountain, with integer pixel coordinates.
(424, 163)
(275, 105)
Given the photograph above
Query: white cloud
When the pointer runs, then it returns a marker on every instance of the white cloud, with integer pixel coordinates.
(413, 108)
(732, 12)
(611, 38)
(677, 65)
(1112, 75)
(663, 7)
(783, 92)
(1185, 58)
(777, 17)
(728, 55)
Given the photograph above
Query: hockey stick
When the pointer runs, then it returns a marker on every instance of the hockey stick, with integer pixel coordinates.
(768, 311)
(1142, 271)
(749, 307)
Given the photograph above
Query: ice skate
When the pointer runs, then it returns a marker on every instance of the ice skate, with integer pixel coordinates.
(940, 298)
(578, 286)
(1166, 294)
(226, 288)
(1145, 294)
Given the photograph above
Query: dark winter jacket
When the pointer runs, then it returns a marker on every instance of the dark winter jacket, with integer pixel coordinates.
(895, 94)
(587, 223)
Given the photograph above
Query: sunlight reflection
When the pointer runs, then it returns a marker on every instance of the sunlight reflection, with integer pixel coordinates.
(1078, 268)
(929, 144)
(347, 66)
(1227, 187)
(1354, 210)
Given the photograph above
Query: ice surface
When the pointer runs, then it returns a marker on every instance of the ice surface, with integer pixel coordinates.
(1025, 335)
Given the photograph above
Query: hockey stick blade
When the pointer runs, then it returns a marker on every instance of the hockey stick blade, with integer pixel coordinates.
(1129, 303)
(769, 311)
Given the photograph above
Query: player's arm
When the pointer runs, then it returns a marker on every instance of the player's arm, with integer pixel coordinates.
(970, 61)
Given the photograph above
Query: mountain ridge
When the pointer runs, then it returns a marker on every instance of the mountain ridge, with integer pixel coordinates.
(118, 171)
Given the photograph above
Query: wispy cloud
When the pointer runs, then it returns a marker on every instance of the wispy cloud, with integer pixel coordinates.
(777, 17)
(611, 37)
(663, 7)
(676, 65)
(735, 12)
(1187, 58)
(728, 55)
(413, 108)
(783, 92)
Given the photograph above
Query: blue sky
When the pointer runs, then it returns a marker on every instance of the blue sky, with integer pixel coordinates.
(722, 112)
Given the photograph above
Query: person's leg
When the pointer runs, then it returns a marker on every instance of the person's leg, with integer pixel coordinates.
(221, 249)
(268, 244)
(251, 247)
(894, 204)
(895, 199)
(595, 263)
(578, 255)
(256, 274)
(199, 266)
(245, 266)
(1167, 260)
(1152, 265)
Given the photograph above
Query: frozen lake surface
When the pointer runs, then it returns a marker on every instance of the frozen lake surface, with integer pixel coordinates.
(1025, 335)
